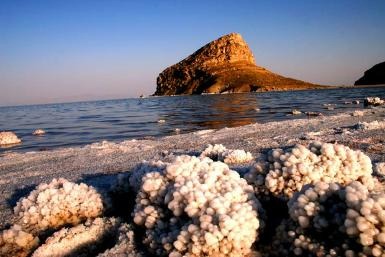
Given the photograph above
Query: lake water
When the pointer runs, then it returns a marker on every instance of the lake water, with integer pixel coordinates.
(80, 123)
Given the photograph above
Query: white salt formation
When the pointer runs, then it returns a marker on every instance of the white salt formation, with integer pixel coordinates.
(218, 152)
(338, 221)
(125, 246)
(373, 101)
(80, 240)
(358, 113)
(8, 138)
(296, 112)
(56, 204)
(197, 207)
(38, 132)
(379, 168)
(133, 179)
(17, 243)
(286, 172)
(371, 125)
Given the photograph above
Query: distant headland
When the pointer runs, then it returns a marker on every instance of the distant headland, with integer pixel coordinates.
(225, 65)
(373, 76)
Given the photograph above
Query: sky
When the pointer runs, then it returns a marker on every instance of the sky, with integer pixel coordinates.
(61, 51)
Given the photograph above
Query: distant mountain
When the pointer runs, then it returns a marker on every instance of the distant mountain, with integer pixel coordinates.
(373, 76)
(224, 65)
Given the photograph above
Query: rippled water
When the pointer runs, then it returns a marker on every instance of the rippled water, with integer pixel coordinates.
(80, 123)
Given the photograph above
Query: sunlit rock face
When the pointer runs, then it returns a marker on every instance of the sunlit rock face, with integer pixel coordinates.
(224, 65)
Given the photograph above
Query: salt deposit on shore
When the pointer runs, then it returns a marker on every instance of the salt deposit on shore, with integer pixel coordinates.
(8, 138)
(180, 202)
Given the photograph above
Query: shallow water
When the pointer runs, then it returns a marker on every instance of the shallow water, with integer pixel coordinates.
(80, 123)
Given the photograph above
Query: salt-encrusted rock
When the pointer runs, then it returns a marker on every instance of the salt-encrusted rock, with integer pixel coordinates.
(125, 245)
(373, 76)
(56, 204)
(370, 125)
(17, 243)
(331, 220)
(81, 240)
(8, 138)
(373, 101)
(218, 152)
(285, 172)
(197, 207)
(296, 112)
(222, 66)
(358, 113)
(38, 132)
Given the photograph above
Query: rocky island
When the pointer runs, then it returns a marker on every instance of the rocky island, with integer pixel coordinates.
(373, 76)
(225, 65)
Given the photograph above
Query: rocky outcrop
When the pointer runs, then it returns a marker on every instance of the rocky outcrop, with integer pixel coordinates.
(224, 65)
(373, 76)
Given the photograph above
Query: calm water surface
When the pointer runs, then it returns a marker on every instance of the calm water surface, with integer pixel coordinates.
(74, 124)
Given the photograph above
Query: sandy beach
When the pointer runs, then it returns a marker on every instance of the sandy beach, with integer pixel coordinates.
(97, 164)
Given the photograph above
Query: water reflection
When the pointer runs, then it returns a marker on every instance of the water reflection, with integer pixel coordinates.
(86, 122)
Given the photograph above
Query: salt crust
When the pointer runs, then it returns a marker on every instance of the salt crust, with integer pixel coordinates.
(197, 207)
(218, 152)
(349, 220)
(371, 125)
(125, 246)
(80, 240)
(58, 203)
(16, 242)
(285, 172)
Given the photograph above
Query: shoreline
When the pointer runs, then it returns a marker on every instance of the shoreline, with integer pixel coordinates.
(98, 163)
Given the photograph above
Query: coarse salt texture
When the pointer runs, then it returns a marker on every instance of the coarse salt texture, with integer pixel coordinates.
(17, 243)
(197, 207)
(125, 245)
(218, 152)
(81, 240)
(8, 138)
(371, 125)
(58, 203)
(285, 172)
(375, 101)
(333, 220)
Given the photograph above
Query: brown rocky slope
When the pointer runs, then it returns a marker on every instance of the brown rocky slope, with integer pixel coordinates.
(225, 65)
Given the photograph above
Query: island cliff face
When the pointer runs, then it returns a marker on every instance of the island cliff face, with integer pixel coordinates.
(373, 76)
(225, 65)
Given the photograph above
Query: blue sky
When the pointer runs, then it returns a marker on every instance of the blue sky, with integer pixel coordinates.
(57, 51)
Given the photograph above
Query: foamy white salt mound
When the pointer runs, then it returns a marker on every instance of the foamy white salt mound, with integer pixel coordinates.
(332, 220)
(132, 180)
(8, 138)
(375, 101)
(17, 243)
(56, 204)
(81, 240)
(229, 156)
(125, 246)
(197, 207)
(285, 172)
